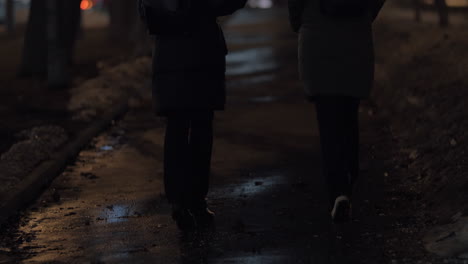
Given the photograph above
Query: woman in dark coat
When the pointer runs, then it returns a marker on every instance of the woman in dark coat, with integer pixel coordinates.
(336, 63)
(188, 86)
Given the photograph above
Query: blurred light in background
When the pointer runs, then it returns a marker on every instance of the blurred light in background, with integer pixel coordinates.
(451, 3)
(21, 11)
(260, 3)
(457, 3)
(86, 4)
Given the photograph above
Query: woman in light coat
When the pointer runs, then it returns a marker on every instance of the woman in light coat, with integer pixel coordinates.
(336, 62)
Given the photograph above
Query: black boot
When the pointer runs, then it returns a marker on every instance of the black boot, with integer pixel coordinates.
(204, 217)
(184, 218)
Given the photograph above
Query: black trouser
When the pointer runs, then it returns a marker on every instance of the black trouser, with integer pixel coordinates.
(187, 157)
(339, 138)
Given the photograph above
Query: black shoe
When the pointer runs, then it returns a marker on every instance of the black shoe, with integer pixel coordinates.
(341, 212)
(183, 218)
(204, 217)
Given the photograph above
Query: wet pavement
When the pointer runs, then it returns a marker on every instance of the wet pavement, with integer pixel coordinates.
(267, 190)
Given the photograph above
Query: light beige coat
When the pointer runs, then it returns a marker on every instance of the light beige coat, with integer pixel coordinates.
(336, 55)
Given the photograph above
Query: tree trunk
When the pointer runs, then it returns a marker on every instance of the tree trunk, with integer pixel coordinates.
(70, 21)
(50, 40)
(442, 9)
(10, 16)
(57, 74)
(34, 60)
(417, 10)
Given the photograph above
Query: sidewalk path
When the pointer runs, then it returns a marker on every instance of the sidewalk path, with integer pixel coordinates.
(267, 190)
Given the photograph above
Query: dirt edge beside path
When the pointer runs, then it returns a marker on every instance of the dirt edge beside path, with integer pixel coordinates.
(422, 84)
(36, 181)
(31, 164)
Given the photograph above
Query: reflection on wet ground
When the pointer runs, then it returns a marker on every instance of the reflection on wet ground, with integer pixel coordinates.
(246, 83)
(242, 39)
(253, 186)
(107, 148)
(251, 61)
(260, 3)
(117, 213)
(255, 17)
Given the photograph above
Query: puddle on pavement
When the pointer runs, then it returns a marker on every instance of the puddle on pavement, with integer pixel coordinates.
(111, 141)
(106, 148)
(254, 186)
(251, 61)
(117, 214)
(248, 81)
(243, 39)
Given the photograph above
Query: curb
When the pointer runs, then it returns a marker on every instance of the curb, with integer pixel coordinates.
(40, 178)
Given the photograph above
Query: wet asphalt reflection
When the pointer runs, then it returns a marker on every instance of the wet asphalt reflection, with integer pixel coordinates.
(267, 192)
(251, 61)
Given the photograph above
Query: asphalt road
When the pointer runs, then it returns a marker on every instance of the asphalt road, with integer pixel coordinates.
(267, 190)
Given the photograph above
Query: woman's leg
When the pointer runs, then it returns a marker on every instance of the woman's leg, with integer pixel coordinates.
(351, 129)
(176, 158)
(339, 137)
(329, 120)
(201, 145)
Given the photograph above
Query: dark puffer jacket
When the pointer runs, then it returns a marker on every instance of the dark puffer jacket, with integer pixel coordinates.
(189, 68)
